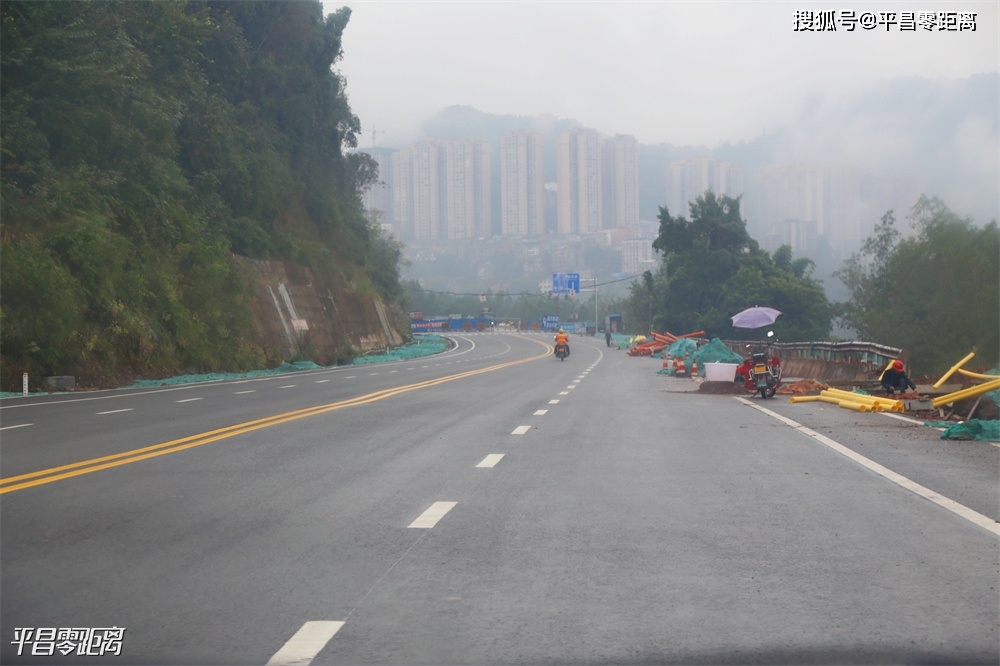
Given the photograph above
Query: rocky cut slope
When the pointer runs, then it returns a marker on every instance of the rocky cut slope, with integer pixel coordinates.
(305, 314)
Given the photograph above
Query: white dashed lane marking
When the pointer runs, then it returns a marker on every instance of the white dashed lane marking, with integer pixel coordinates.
(554, 402)
(491, 460)
(116, 411)
(307, 642)
(432, 515)
(20, 425)
(322, 381)
(520, 430)
(188, 400)
(541, 412)
(242, 392)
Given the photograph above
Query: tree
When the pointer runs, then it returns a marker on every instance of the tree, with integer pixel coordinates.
(712, 269)
(143, 144)
(935, 294)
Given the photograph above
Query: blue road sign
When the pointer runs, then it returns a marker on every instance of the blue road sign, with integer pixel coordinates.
(566, 283)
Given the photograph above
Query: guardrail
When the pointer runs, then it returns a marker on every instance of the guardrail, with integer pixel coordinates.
(868, 354)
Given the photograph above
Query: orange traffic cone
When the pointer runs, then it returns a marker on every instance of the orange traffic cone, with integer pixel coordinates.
(663, 355)
(682, 366)
(694, 368)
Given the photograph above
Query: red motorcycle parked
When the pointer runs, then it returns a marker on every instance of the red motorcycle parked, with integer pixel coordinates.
(763, 375)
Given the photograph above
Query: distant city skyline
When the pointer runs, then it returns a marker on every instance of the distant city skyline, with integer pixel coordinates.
(440, 190)
(893, 100)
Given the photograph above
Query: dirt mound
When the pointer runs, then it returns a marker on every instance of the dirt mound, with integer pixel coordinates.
(803, 387)
(722, 388)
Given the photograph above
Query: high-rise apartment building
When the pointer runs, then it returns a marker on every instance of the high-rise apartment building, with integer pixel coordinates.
(638, 256)
(467, 190)
(621, 182)
(688, 179)
(377, 197)
(522, 184)
(798, 203)
(578, 177)
(442, 190)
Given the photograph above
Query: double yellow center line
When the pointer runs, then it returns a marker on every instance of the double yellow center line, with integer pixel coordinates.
(44, 476)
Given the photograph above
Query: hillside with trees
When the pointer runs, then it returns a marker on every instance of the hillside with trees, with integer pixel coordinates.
(146, 145)
(935, 293)
(711, 269)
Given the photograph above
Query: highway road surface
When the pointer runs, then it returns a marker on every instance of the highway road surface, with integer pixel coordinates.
(489, 505)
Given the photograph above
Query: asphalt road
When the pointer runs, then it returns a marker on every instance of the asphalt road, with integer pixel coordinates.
(491, 505)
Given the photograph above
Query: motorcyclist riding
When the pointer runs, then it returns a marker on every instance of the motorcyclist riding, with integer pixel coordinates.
(563, 339)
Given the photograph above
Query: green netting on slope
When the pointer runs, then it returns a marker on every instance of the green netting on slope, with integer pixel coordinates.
(973, 429)
(218, 376)
(422, 345)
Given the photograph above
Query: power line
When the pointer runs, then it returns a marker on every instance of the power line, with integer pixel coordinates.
(522, 293)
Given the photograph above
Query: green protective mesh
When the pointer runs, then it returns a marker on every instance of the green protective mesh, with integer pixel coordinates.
(422, 345)
(973, 429)
(715, 351)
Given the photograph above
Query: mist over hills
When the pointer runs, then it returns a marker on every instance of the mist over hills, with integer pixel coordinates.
(943, 133)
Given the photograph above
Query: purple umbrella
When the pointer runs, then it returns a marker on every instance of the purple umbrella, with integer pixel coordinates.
(755, 317)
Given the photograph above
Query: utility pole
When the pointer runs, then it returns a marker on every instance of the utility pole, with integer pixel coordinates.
(597, 324)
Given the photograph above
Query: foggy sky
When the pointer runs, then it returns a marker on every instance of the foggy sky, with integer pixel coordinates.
(685, 73)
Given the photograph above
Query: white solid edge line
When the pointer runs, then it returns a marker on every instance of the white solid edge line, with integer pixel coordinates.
(307, 642)
(914, 487)
(491, 460)
(432, 515)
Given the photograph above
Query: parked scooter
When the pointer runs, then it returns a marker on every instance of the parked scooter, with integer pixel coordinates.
(763, 374)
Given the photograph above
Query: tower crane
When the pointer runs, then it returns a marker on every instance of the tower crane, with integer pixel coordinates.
(374, 132)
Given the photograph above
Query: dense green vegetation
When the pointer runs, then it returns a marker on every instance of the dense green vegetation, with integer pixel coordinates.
(935, 294)
(146, 143)
(712, 269)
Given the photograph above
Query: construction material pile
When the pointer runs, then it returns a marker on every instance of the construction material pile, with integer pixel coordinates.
(689, 359)
(803, 387)
(989, 387)
(860, 402)
(659, 343)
